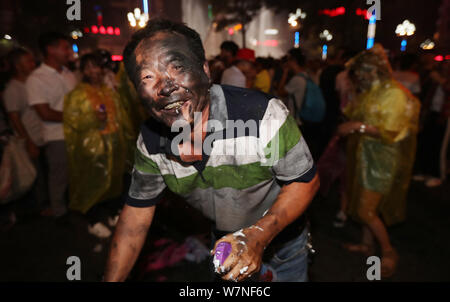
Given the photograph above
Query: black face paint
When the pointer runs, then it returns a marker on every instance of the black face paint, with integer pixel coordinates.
(170, 79)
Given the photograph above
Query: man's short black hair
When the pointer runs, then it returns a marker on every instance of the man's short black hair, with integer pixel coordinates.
(153, 27)
(50, 39)
(230, 46)
(298, 56)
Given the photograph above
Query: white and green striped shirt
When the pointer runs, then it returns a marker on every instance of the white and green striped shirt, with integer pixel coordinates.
(241, 177)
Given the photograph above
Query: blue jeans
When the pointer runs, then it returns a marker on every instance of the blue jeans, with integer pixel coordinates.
(290, 263)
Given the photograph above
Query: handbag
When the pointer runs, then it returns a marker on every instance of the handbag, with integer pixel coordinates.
(17, 172)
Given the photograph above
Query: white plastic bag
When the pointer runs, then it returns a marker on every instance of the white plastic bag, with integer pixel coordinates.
(17, 172)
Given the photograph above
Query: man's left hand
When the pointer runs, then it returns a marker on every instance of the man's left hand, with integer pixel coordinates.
(246, 255)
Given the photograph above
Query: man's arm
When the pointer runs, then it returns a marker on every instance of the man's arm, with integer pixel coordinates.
(48, 114)
(127, 242)
(291, 203)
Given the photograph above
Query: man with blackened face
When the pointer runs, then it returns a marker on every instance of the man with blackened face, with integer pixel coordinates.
(256, 201)
(171, 79)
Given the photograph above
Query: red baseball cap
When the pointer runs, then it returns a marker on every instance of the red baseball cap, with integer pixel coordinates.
(246, 54)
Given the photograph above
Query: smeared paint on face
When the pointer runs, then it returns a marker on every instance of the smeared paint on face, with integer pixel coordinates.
(170, 79)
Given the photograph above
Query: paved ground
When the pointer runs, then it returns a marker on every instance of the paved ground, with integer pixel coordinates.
(36, 248)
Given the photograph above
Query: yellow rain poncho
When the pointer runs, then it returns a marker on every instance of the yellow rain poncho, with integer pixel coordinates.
(96, 150)
(383, 164)
(133, 109)
(380, 166)
(130, 100)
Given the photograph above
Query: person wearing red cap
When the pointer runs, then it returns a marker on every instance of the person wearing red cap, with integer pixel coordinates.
(241, 73)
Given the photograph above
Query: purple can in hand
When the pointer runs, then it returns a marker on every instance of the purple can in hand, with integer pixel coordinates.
(223, 249)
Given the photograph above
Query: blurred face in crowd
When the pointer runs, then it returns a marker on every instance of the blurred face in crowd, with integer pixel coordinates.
(61, 52)
(247, 68)
(26, 64)
(170, 80)
(291, 63)
(363, 77)
(93, 73)
(226, 55)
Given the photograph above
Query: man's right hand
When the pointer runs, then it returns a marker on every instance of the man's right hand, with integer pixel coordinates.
(127, 242)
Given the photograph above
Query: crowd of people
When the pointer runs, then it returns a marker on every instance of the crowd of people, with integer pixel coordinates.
(372, 122)
(78, 121)
(380, 127)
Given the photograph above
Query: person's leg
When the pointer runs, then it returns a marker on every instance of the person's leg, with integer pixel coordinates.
(341, 216)
(367, 212)
(40, 193)
(57, 176)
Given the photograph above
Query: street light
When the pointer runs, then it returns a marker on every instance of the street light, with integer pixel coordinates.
(293, 21)
(326, 36)
(427, 44)
(371, 31)
(293, 17)
(405, 30)
(137, 18)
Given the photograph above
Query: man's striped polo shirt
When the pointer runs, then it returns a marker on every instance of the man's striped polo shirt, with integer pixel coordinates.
(239, 179)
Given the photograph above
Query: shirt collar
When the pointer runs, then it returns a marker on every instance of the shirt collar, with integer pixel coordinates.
(218, 108)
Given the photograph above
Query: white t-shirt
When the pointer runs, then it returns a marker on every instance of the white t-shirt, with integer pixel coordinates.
(47, 86)
(15, 100)
(233, 76)
(296, 88)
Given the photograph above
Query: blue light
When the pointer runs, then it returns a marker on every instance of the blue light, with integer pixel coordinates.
(373, 18)
(145, 4)
(324, 52)
(75, 48)
(371, 30)
(370, 43)
(297, 39)
(403, 48)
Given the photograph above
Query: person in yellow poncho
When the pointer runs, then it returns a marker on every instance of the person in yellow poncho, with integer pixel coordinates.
(95, 139)
(381, 132)
(133, 108)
